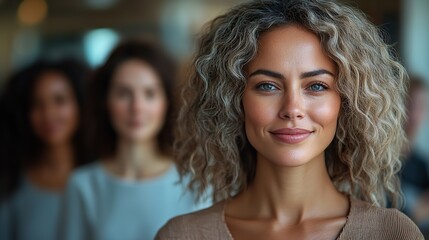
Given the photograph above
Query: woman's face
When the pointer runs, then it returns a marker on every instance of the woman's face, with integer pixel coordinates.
(54, 114)
(290, 102)
(136, 101)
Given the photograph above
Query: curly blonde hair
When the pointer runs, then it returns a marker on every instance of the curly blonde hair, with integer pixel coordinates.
(363, 158)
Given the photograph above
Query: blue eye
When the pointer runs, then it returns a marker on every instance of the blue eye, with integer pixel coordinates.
(317, 87)
(266, 87)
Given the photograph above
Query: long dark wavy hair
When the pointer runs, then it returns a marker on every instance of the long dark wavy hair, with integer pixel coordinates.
(19, 146)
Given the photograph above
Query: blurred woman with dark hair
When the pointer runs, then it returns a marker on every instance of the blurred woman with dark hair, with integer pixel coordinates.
(132, 190)
(41, 143)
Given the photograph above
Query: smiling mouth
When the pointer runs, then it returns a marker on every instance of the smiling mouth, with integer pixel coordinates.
(291, 135)
(135, 124)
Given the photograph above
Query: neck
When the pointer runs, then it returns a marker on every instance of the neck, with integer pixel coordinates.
(56, 163)
(58, 158)
(292, 194)
(135, 160)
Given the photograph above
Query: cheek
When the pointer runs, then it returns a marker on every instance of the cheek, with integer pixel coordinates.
(35, 118)
(118, 109)
(325, 113)
(158, 110)
(258, 111)
(70, 111)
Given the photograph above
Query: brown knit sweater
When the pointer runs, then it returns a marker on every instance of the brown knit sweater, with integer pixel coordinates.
(363, 222)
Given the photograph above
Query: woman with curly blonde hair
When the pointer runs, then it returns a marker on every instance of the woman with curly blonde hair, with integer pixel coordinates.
(293, 117)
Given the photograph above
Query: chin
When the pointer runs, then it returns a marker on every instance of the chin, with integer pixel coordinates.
(290, 162)
(289, 158)
(137, 136)
(53, 141)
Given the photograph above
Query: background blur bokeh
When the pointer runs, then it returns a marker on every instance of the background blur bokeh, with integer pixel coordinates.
(88, 29)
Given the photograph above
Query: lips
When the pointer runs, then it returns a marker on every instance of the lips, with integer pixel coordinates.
(291, 135)
(135, 124)
(51, 127)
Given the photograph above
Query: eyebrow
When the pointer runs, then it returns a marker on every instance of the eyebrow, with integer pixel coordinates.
(316, 73)
(280, 76)
(267, 73)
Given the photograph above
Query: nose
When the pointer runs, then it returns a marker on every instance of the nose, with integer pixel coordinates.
(137, 104)
(49, 111)
(292, 106)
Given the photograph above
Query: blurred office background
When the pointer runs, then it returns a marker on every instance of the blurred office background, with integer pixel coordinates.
(87, 30)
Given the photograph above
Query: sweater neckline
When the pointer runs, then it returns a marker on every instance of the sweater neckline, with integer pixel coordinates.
(352, 203)
(27, 183)
(168, 174)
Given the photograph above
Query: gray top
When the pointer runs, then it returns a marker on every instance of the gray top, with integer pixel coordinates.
(30, 213)
(99, 205)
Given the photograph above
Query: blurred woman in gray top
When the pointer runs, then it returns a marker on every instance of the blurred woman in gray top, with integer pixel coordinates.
(132, 190)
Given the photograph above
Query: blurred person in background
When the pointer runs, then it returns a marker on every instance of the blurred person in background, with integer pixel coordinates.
(41, 143)
(415, 171)
(132, 190)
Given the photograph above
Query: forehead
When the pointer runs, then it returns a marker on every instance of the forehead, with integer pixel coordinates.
(290, 34)
(291, 46)
(135, 72)
(51, 80)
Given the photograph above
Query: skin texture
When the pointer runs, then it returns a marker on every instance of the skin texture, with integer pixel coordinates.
(292, 194)
(54, 118)
(137, 105)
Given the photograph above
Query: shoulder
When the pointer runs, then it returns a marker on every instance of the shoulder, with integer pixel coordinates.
(85, 172)
(84, 176)
(372, 222)
(203, 224)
